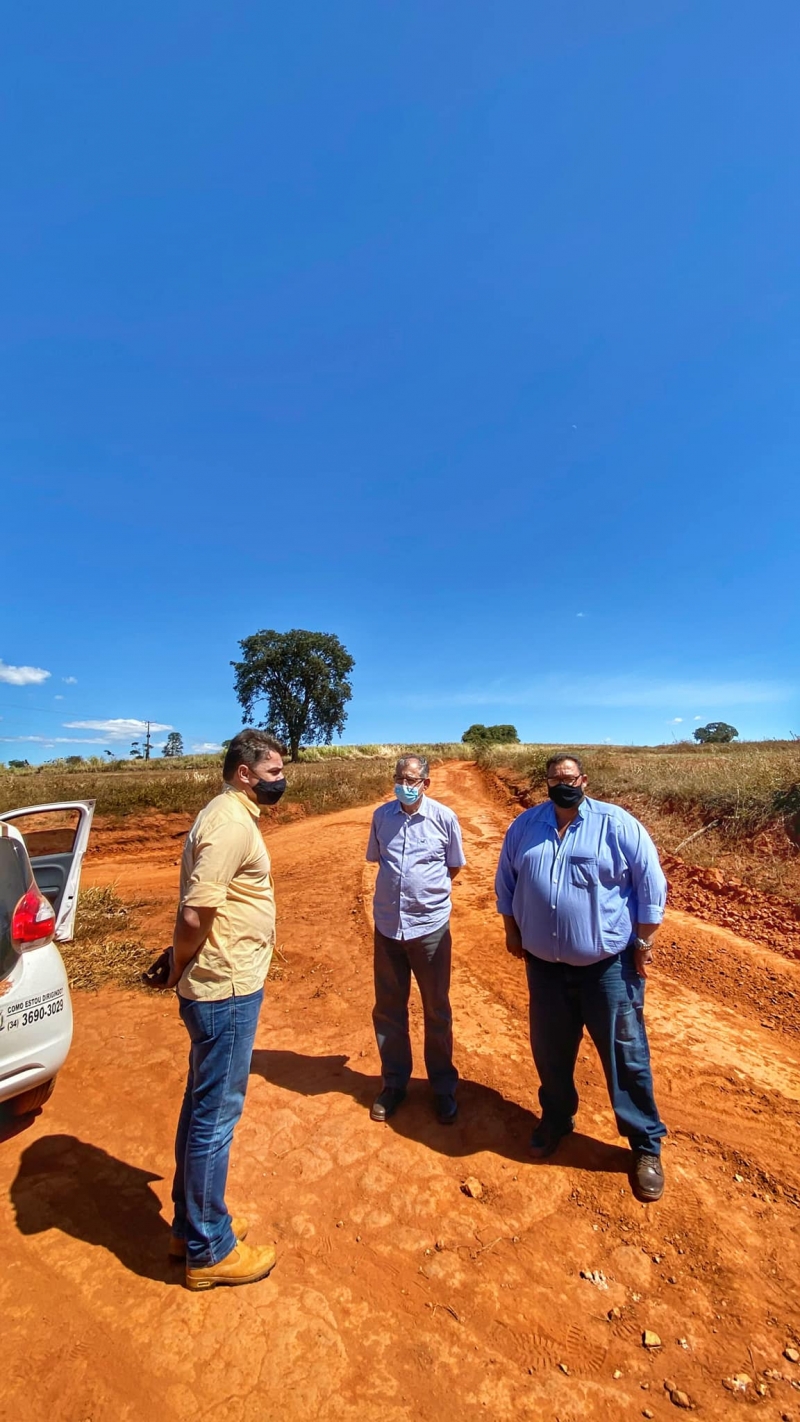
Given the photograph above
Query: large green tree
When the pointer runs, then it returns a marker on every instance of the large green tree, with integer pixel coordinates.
(715, 733)
(304, 679)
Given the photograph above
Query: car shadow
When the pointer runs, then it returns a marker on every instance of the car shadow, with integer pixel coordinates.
(65, 1183)
(486, 1120)
(11, 1125)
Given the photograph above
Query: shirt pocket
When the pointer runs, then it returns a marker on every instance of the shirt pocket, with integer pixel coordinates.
(583, 870)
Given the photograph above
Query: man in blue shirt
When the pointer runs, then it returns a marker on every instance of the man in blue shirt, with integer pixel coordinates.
(416, 842)
(582, 893)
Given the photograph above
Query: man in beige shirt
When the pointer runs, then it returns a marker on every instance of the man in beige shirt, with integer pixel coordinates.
(221, 951)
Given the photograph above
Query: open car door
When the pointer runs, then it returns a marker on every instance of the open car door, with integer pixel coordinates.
(56, 837)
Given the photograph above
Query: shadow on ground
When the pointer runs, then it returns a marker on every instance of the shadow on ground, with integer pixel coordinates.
(64, 1183)
(487, 1120)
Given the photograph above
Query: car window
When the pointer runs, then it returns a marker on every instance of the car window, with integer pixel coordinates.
(48, 831)
(14, 881)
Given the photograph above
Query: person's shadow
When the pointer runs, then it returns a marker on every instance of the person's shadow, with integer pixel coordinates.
(486, 1119)
(64, 1183)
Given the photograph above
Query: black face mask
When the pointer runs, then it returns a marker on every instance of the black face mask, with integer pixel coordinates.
(268, 792)
(565, 796)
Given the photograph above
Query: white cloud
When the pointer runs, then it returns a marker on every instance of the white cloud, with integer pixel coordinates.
(118, 729)
(206, 748)
(580, 614)
(22, 676)
(697, 718)
(70, 680)
(58, 698)
(676, 721)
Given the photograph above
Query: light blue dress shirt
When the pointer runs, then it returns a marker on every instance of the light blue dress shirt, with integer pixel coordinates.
(414, 851)
(579, 898)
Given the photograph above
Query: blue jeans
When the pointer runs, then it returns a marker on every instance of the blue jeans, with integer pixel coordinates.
(607, 998)
(428, 958)
(222, 1036)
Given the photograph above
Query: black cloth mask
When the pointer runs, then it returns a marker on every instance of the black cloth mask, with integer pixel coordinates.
(565, 796)
(268, 792)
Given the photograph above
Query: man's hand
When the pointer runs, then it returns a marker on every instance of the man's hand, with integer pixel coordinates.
(513, 936)
(643, 951)
(192, 927)
(641, 958)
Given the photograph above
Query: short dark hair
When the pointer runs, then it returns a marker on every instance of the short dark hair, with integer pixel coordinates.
(562, 756)
(248, 748)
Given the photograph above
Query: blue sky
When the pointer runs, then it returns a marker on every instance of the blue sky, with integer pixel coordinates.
(468, 332)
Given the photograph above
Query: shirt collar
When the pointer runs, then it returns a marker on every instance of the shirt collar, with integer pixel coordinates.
(551, 811)
(419, 809)
(255, 810)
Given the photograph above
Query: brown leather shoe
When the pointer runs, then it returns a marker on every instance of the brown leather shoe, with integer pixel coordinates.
(176, 1249)
(647, 1177)
(244, 1265)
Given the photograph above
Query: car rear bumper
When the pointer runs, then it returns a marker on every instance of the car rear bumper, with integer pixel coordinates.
(35, 1023)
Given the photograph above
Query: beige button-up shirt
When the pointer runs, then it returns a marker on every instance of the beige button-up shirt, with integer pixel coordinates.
(225, 866)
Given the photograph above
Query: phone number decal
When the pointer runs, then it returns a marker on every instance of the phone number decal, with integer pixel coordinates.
(31, 1010)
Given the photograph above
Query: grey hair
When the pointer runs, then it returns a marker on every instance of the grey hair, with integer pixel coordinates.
(402, 762)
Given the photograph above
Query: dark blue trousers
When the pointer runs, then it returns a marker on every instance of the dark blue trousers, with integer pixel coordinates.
(428, 958)
(607, 998)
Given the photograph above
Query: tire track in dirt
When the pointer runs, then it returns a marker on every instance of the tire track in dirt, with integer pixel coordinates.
(397, 1297)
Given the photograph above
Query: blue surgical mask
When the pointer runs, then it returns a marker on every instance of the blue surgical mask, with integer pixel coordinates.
(408, 794)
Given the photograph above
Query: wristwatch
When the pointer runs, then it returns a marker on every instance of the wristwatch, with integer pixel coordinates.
(642, 943)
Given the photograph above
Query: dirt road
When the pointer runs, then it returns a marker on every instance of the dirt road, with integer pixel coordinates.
(397, 1297)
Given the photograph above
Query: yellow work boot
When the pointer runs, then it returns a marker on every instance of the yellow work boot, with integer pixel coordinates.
(244, 1265)
(176, 1249)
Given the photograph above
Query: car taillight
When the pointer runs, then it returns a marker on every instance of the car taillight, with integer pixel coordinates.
(34, 921)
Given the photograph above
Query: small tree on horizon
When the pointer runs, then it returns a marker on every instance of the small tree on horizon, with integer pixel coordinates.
(716, 733)
(304, 679)
(173, 745)
(482, 735)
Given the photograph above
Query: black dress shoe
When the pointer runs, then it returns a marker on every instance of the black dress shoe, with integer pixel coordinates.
(647, 1177)
(446, 1108)
(547, 1138)
(387, 1103)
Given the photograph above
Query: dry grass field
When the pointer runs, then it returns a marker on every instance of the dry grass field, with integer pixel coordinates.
(327, 778)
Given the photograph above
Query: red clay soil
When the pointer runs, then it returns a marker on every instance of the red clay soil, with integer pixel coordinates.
(396, 1296)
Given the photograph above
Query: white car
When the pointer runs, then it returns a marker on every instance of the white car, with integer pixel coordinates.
(41, 853)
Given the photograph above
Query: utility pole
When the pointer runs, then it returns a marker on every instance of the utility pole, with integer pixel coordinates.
(147, 741)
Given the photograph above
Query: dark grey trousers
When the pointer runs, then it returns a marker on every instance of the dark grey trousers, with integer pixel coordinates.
(428, 958)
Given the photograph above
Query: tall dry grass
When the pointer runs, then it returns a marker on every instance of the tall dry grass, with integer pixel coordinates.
(105, 948)
(327, 778)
